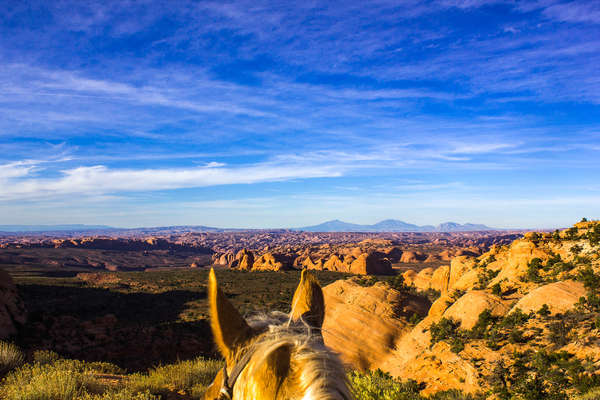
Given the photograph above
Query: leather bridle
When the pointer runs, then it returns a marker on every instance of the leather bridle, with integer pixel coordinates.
(226, 392)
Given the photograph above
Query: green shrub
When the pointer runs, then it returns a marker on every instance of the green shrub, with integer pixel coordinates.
(485, 276)
(571, 233)
(556, 235)
(559, 333)
(45, 356)
(544, 310)
(378, 385)
(444, 329)
(11, 357)
(484, 322)
(541, 375)
(591, 281)
(533, 271)
(497, 289)
(516, 336)
(448, 330)
(576, 249)
(593, 235)
(399, 283)
(515, 318)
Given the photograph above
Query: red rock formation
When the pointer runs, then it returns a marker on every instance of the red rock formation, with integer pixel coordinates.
(412, 257)
(363, 324)
(244, 260)
(272, 262)
(372, 263)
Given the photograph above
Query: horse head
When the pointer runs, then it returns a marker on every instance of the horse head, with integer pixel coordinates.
(275, 356)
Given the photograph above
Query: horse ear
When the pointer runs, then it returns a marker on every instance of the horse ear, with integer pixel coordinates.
(229, 328)
(308, 303)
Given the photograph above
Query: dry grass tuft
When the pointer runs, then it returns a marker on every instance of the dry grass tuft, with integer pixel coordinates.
(11, 357)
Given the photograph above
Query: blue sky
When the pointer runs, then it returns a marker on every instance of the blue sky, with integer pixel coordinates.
(278, 114)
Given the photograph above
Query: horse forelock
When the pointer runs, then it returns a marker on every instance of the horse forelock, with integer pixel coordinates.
(316, 370)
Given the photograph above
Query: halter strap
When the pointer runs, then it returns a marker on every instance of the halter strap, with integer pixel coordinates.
(226, 392)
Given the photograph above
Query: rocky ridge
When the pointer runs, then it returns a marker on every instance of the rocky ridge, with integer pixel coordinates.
(502, 317)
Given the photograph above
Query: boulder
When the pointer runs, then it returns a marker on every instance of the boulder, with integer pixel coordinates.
(559, 296)
(466, 309)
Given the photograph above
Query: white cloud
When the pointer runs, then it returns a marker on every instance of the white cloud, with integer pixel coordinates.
(99, 179)
(15, 170)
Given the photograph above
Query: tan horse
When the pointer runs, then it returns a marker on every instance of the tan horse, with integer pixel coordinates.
(277, 356)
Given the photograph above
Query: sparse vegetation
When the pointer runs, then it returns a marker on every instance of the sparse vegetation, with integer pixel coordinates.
(541, 375)
(76, 380)
(185, 377)
(591, 282)
(379, 385)
(572, 233)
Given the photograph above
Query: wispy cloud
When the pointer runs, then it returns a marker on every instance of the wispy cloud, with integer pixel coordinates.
(94, 180)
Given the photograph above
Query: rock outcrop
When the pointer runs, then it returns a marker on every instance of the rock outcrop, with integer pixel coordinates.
(371, 264)
(244, 260)
(559, 297)
(272, 262)
(466, 309)
(412, 257)
(363, 324)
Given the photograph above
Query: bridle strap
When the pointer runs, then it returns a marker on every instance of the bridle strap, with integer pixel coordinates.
(226, 392)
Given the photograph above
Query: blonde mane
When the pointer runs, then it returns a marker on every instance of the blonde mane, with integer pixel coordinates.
(319, 371)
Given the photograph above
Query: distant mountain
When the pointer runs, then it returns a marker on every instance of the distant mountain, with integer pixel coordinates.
(456, 227)
(53, 228)
(388, 225)
(393, 225)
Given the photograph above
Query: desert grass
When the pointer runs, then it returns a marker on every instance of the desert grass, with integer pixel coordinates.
(51, 379)
(185, 378)
(593, 394)
(60, 380)
(11, 357)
